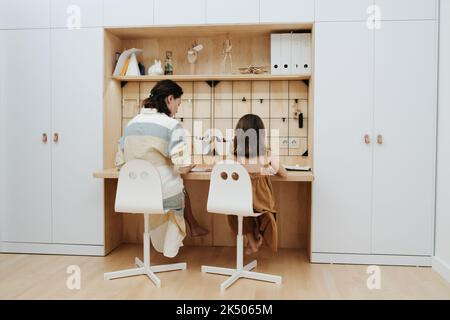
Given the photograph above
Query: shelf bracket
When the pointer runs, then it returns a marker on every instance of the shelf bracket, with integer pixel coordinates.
(212, 83)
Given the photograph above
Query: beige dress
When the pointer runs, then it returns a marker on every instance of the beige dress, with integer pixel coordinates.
(263, 202)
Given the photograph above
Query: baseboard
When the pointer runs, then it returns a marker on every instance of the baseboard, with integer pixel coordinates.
(389, 260)
(442, 268)
(58, 249)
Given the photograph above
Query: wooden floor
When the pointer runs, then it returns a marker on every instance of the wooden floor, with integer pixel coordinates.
(44, 277)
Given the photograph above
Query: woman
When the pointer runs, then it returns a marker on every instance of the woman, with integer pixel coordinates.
(154, 135)
(250, 151)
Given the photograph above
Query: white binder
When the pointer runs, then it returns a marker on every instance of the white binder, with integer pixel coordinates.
(291, 53)
(275, 53)
(301, 53)
(286, 40)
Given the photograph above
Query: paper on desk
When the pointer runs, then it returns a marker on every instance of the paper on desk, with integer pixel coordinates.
(201, 169)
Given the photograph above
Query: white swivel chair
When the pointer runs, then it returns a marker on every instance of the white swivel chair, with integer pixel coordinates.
(230, 193)
(139, 190)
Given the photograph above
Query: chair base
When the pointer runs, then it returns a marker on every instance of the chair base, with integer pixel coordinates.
(245, 272)
(143, 270)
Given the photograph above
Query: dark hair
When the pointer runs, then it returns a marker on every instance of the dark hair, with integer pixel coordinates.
(159, 93)
(246, 126)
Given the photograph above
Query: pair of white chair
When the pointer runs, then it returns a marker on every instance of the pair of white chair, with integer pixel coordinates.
(230, 193)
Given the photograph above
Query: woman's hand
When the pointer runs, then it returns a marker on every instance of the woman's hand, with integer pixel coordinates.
(184, 170)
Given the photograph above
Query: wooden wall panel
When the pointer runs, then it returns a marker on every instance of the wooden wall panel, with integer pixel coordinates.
(247, 50)
(112, 119)
(292, 203)
(113, 220)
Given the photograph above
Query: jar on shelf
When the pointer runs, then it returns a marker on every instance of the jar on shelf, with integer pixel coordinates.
(168, 64)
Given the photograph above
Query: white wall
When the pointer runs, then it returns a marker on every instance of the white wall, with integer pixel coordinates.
(442, 249)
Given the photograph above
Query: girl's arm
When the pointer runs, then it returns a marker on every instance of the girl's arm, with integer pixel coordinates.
(278, 168)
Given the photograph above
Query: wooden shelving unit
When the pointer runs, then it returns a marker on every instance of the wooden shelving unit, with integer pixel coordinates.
(218, 104)
(214, 77)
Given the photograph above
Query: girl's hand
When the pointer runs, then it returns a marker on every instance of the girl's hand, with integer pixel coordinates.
(278, 168)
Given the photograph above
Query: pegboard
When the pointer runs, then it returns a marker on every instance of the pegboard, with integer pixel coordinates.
(221, 106)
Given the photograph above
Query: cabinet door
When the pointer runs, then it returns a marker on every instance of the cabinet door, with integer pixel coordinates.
(74, 13)
(342, 10)
(77, 113)
(24, 14)
(407, 9)
(26, 159)
(128, 13)
(286, 11)
(180, 12)
(405, 112)
(343, 108)
(232, 11)
(3, 122)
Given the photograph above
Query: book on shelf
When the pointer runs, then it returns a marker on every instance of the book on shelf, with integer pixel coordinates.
(133, 67)
(124, 69)
(123, 58)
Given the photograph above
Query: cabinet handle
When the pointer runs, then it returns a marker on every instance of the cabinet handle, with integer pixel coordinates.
(55, 137)
(367, 139)
(44, 138)
(380, 139)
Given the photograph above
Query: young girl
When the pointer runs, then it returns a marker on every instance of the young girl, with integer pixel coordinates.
(250, 151)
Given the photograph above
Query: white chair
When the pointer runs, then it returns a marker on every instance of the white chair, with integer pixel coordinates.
(139, 190)
(230, 193)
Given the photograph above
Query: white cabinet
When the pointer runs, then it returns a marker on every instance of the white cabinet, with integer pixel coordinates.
(77, 118)
(405, 113)
(121, 13)
(342, 187)
(376, 198)
(3, 122)
(180, 12)
(342, 10)
(286, 11)
(232, 11)
(26, 159)
(407, 9)
(362, 10)
(21, 14)
(76, 13)
(51, 81)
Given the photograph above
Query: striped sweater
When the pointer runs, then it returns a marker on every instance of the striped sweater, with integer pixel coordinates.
(161, 140)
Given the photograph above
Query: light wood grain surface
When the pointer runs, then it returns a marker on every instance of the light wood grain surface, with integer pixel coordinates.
(217, 77)
(45, 277)
(208, 31)
(292, 203)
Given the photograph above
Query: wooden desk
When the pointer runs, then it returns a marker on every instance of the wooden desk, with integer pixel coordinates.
(294, 176)
(292, 198)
